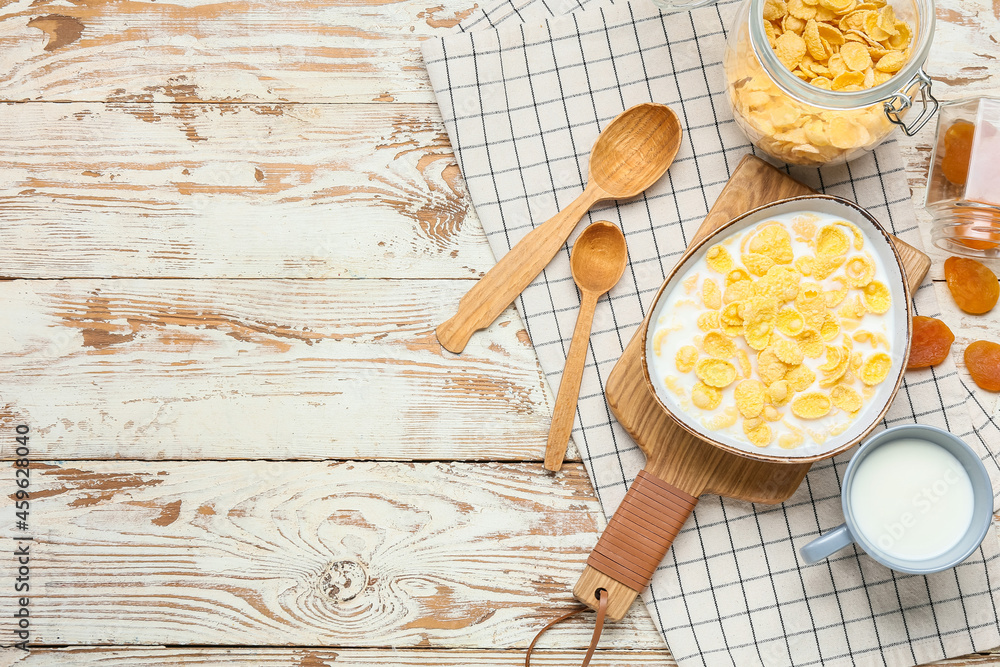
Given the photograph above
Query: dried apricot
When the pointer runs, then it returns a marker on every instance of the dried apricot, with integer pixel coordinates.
(957, 151)
(982, 358)
(973, 286)
(931, 342)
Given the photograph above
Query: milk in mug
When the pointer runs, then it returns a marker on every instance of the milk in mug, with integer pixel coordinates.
(912, 499)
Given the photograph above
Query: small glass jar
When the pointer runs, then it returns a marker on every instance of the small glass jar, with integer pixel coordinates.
(797, 122)
(963, 184)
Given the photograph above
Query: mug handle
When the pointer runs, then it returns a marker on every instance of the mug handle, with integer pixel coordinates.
(826, 545)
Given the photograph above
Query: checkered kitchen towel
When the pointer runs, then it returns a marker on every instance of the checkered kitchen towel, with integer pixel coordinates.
(524, 87)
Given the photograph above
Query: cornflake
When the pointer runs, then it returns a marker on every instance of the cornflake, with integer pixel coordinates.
(715, 372)
(749, 396)
(875, 368)
(757, 431)
(719, 259)
(686, 358)
(706, 397)
(710, 294)
(845, 398)
(718, 345)
(811, 406)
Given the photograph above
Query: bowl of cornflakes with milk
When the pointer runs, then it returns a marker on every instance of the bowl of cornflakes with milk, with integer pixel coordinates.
(784, 335)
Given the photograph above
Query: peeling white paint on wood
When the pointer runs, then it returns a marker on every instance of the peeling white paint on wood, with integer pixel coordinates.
(310, 51)
(322, 657)
(305, 553)
(304, 50)
(208, 190)
(220, 369)
(341, 657)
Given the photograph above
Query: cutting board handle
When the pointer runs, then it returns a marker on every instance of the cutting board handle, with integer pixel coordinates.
(634, 543)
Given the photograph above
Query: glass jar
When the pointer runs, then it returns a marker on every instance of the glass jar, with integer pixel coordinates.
(797, 122)
(963, 184)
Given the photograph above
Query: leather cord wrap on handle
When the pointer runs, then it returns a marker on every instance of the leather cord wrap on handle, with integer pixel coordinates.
(641, 531)
(598, 628)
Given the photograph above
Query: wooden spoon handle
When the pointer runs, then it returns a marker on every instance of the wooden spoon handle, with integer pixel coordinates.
(500, 286)
(634, 542)
(569, 385)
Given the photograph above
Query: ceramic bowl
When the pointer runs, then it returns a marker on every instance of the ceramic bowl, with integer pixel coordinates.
(879, 243)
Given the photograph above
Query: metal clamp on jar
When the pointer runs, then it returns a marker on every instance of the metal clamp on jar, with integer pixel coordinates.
(798, 122)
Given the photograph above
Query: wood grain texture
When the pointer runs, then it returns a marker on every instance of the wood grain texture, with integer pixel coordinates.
(303, 553)
(348, 657)
(209, 190)
(324, 191)
(250, 50)
(564, 410)
(326, 657)
(312, 369)
(307, 50)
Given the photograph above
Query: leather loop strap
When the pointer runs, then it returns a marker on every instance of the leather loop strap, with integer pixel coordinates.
(641, 531)
(602, 596)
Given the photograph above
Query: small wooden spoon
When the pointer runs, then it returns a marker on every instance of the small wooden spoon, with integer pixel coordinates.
(598, 261)
(630, 154)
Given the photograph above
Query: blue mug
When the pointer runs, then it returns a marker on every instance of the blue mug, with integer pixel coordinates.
(848, 532)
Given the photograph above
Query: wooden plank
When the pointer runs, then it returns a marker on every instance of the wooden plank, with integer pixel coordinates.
(209, 190)
(339, 657)
(324, 657)
(247, 50)
(312, 369)
(256, 553)
(306, 50)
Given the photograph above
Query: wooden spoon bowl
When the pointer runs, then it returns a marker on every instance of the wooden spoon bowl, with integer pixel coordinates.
(634, 150)
(599, 257)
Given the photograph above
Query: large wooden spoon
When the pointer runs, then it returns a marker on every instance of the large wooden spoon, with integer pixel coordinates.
(630, 154)
(598, 261)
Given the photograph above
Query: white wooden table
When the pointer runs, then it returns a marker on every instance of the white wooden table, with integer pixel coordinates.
(229, 230)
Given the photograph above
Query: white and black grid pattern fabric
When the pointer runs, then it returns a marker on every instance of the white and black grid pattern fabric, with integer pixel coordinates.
(524, 87)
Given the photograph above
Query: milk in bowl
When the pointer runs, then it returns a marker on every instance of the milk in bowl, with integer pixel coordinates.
(780, 334)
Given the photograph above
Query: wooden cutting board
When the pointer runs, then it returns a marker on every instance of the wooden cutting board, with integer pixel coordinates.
(688, 465)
